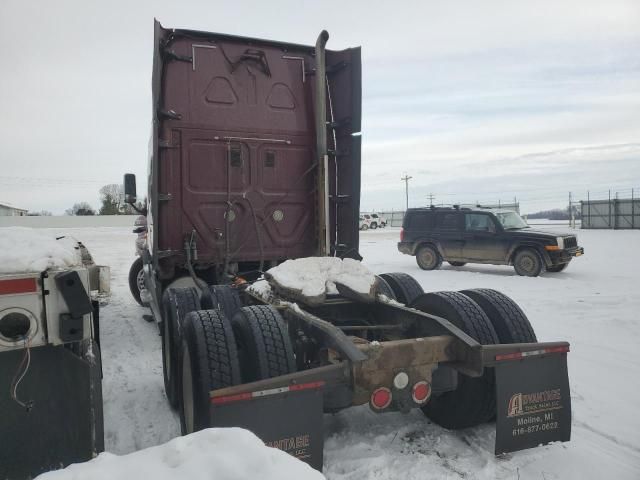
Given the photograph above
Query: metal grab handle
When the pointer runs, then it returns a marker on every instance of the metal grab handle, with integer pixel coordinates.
(254, 56)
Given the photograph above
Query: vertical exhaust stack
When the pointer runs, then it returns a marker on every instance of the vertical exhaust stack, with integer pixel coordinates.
(321, 145)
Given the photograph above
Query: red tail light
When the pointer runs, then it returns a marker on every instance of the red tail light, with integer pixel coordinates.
(381, 398)
(402, 234)
(421, 392)
(18, 285)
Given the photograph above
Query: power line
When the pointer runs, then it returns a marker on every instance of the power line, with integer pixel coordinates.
(42, 181)
(431, 196)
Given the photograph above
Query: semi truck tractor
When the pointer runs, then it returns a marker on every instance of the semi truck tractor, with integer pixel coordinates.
(254, 171)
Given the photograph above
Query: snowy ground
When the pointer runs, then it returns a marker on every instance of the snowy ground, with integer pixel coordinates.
(594, 304)
(214, 453)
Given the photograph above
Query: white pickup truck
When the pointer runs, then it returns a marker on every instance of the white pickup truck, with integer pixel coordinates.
(50, 362)
(372, 220)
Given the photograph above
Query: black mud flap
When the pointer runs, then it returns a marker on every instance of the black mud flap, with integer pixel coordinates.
(533, 402)
(64, 423)
(288, 418)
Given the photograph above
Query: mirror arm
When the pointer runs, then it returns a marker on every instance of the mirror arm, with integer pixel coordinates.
(141, 211)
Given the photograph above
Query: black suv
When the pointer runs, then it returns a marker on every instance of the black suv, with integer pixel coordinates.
(497, 237)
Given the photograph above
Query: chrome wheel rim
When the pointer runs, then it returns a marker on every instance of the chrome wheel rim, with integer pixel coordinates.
(140, 280)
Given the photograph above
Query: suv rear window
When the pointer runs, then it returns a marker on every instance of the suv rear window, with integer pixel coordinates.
(448, 221)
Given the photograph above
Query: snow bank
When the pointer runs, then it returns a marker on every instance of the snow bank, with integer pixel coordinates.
(317, 276)
(215, 453)
(29, 250)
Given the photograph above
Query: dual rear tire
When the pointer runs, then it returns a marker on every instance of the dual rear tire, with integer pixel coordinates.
(489, 317)
(209, 361)
(473, 401)
(405, 288)
(177, 303)
(265, 350)
(205, 350)
(218, 352)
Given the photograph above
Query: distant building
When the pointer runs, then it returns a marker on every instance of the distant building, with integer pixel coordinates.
(7, 210)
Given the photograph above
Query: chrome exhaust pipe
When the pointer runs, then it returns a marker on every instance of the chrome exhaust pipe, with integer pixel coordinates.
(321, 145)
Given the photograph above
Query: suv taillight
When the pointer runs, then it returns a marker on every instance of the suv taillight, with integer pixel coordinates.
(402, 234)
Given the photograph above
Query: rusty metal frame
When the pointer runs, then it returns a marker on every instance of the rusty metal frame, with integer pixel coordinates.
(417, 357)
(363, 367)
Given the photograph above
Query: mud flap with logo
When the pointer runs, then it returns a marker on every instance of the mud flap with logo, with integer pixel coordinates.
(288, 418)
(533, 402)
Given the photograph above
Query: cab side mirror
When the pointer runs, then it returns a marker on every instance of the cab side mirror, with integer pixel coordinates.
(129, 188)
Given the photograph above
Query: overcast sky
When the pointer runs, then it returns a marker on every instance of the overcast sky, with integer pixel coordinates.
(476, 100)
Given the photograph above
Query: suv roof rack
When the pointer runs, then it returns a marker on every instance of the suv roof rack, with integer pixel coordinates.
(456, 206)
(441, 207)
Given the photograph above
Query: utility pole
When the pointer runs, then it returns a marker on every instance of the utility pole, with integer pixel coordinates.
(431, 196)
(406, 179)
(572, 222)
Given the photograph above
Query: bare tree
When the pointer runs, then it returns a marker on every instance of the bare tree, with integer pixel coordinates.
(112, 199)
(82, 208)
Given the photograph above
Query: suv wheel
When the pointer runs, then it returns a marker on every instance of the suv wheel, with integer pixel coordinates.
(374, 225)
(428, 258)
(528, 263)
(364, 227)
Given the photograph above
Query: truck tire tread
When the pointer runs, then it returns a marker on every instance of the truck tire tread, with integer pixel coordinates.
(382, 287)
(404, 286)
(214, 357)
(508, 319)
(177, 303)
(225, 298)
(261, 331)
(474, 401)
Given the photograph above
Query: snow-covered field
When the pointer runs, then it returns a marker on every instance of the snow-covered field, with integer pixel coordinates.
(594, 304)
